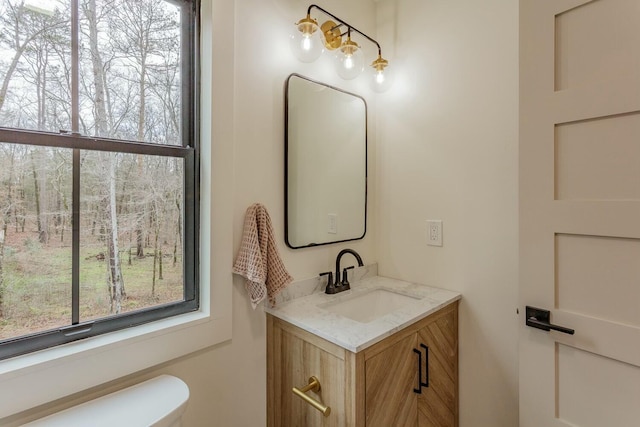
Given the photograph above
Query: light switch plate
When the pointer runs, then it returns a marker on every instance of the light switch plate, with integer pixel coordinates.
(333, 224)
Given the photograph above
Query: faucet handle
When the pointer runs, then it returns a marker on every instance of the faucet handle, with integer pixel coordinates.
(331, 287)
(345, 278)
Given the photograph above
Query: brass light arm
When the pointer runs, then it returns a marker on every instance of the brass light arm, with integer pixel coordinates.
(349, 26)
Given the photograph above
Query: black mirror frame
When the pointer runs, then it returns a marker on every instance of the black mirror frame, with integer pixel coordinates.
(286, 163)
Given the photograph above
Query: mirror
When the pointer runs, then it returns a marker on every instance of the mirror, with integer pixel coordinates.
(326, 164)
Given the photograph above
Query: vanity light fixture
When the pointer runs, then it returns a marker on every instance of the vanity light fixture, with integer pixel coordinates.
(309, 40)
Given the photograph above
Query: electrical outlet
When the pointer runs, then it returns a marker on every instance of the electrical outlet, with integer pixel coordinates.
(434, 232)
(333, 224)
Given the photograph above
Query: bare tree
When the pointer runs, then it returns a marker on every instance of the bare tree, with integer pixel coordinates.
(20, 27)
(116, 281)
(37, 170)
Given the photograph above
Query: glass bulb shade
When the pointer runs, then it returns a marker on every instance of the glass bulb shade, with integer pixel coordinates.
(349, 61)
(306, 42)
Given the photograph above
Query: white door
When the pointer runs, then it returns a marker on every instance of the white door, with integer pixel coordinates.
(580, 211)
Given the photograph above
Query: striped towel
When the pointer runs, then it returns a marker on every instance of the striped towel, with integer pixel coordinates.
(258, 259)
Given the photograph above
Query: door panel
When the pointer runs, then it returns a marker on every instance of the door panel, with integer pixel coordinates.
(592, 273)
(607, 59)
(580, 210)
(588, 150)
(608, 394)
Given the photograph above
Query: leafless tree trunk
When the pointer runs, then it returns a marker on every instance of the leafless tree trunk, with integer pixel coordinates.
(9, 74)
(116, 282)
(23, 213)
(39, 66)
(141, 122)
(139, 241)
(43, 233)
(115, 275)
(129, 260)
(98, 74)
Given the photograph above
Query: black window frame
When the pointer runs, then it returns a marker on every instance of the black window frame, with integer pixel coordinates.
(189, 151)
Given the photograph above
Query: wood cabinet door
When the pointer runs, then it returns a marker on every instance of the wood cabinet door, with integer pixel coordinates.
(438, 403)
(293, 356)
(390, 377)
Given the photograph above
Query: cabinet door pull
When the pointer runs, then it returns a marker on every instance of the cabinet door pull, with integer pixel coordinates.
(313, 385)
(426, 367)
(421, 383)
(419, 389)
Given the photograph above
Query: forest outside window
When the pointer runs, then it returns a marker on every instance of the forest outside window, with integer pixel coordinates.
(98, 167)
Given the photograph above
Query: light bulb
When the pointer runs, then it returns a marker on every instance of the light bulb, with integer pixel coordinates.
(349, 60)
(306, 41)
(382, 78)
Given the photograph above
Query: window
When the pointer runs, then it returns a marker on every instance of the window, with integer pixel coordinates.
(98, 167)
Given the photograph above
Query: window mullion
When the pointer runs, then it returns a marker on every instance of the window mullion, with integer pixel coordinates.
(75, 127)
(75, 245)
(75, 67)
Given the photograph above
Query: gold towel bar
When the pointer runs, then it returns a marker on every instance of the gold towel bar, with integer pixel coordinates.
(314, 385)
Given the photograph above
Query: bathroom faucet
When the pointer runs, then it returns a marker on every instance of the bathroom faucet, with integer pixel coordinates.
(344, 281)
(338, 285)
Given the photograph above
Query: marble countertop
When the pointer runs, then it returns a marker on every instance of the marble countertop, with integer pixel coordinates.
(306, 312)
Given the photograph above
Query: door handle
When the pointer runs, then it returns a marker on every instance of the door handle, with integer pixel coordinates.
(540, 319)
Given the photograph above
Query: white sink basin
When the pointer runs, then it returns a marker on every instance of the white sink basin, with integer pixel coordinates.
(368, 306)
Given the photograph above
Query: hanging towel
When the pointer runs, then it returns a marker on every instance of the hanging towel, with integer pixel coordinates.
(258, 259)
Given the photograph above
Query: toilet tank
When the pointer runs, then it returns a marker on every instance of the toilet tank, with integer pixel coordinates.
(158, 402)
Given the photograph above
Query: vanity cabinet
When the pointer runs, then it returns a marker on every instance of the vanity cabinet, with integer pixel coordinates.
(383, 385)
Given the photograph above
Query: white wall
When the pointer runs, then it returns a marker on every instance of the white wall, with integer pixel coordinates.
(443, 146)
(447, 149)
